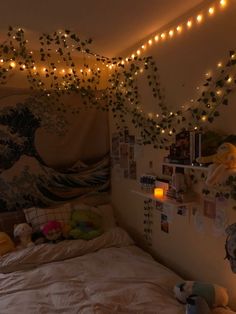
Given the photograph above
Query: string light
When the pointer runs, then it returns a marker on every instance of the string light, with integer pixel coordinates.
(188, 24)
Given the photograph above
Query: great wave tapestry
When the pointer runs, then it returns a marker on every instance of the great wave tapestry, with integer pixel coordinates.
(46, 156)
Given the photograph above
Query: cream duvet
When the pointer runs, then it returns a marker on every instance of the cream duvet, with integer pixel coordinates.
(106, 275)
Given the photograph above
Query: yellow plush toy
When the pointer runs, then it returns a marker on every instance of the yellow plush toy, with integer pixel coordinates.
(223, 161)
(6, 244)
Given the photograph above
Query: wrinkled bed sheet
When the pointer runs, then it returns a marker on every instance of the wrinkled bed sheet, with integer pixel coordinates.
(108, 275)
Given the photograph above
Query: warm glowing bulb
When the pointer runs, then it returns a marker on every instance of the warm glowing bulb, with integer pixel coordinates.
(34, 68)
(162, 131)
(123, 62)
(163, 35)
(13, 64)
(219, 65)
(218, 92)
(195, 128)
(23, 66)
(229, 79)
(189, 24)
(199, 18)
(179, 29)
(138, 52)
(150, 42)
(204, 118)
(171, 33)
(141, 70)
(170, 132)
(133, 56)
(223, 3)
(143, 47)
(1, 61)
(211, 10)
(44, 69)
(156, 38)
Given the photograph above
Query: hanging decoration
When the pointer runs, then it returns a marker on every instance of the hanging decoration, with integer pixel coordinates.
(176, 30)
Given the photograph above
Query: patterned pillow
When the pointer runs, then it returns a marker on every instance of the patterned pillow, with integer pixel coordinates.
(37, 217)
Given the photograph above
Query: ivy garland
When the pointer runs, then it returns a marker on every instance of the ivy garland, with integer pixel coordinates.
(121, 94)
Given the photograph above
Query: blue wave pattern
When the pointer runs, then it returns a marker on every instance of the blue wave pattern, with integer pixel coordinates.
(25, 180)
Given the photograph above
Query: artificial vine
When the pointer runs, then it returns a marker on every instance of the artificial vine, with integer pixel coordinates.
(120, 95)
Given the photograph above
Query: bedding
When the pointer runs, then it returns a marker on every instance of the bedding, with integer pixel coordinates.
(108, 274)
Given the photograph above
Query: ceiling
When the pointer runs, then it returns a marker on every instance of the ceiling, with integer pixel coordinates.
(114, 25)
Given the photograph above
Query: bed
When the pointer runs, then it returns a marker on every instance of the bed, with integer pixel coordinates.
(108, 274)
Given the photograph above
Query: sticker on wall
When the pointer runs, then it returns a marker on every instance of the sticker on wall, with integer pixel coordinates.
(164, 223)
(158, 206)
(209, 208)
(182, 210)
(169, 212)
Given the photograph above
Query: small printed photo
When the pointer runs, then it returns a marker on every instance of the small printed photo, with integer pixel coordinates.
(167, 170)
(124, 155)
(132, 139)
(131, 152)
(182, 210)
(164, 223)
(115, 141)
(209, 208)
(132, 170)
(159, 206)
(126, 136)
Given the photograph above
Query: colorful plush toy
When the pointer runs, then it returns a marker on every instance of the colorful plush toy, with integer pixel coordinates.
(213, 294)
(230, 246)
(85, 224)
(22, 235)
(223, 161)
(52, 231)
(6, 244)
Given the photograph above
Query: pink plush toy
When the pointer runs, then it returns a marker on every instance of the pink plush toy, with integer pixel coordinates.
(52, 230)
(22, 234)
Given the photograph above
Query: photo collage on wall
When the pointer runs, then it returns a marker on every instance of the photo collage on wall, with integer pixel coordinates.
(123, 153)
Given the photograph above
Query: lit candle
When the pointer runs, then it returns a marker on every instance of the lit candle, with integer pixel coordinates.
(158, 192)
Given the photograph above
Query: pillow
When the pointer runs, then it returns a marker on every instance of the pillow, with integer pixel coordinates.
(37, 217)
(105, 211)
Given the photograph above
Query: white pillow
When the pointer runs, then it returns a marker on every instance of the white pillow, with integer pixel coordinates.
(37, 217)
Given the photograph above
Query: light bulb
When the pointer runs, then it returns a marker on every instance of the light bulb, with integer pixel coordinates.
(171, 33)
(133, 56)
(211, 10)
(138, 52)
(189, 24)
(204, 118)
(223, 3)
(179, 28)
(143, 47)
(163, 35)
(219, 64)
(229, 80)
(156, 38)
(150, 42)
(13, 64)
(199, 18)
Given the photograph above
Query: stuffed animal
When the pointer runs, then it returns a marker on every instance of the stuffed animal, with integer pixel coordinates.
(223, 161)
(6, 244)
(85, 224)
(230, 246)
(22, 234)
(213, 294)
(52, 231)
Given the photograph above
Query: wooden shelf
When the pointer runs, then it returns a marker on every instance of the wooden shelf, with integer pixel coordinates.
(203, 168)
(164, 200)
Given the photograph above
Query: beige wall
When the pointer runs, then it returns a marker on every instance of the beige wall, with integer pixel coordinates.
(182, 63)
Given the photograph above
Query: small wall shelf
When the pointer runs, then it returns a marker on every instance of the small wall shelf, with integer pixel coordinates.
(203, 168)
(164, 200)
